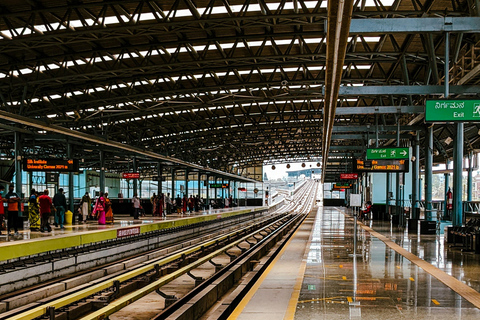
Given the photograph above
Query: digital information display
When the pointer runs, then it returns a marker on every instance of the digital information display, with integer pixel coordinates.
(387, 153)
(381, 165)
(219, 185)
(342, 185)
(452, 110)
(58, 165)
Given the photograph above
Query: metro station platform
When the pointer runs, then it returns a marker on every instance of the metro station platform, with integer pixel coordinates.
(31, 243)
(322, 273)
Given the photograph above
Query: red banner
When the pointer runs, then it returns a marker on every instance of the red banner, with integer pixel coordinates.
(130, 175)
(349, 176)
(242, 189)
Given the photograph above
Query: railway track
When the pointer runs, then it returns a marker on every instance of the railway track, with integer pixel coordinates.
(103, 297)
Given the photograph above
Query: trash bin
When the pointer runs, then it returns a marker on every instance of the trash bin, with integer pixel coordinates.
(68, 217)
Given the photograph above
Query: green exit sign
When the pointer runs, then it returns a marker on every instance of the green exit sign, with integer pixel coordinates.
(452, 110)
(387, 153)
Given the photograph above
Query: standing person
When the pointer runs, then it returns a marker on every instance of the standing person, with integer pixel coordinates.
(185, 204)
(136, 206)
(99, 209)
(45, 203)
(13, 200)
(2, 212)
(108, 210)
(161, 205)
(168, 203)
(33, 211)
(154, 202)
(197, 203)
(86, 206)
(178, 204)
(191, 203)
(230, 201)
(60, 203)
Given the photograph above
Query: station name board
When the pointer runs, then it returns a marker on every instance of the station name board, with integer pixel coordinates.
(58, 165)
(393, 165)
(452, 110)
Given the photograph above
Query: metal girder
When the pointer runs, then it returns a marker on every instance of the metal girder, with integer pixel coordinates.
(87, 137)
(363, 136)
(371, 128)
(379, 110)
(415, 25)
(407, 90)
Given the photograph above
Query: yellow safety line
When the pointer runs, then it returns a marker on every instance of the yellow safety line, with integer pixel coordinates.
(239, 309)
(459, 287)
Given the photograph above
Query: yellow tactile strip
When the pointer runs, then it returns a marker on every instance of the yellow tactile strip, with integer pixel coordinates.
(459, 287)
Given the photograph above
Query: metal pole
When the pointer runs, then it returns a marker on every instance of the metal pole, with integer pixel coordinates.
(160, 173)
(470, 180)
(102, 171)
(173, 183)
(447, 184)
(388, 193)
(198, 183)
(447, 64)
(457, 219)
(208, 192)
(18, 178)
(135, 182)
(415, 174)
(428, 174)
(397, 183)
(70, 180)
(186, 182)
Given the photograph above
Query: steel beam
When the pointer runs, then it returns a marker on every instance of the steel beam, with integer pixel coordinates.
(362, 136)
(365, 129)
(379, 110)
(415, 25)
(117, 145)
(407, 90)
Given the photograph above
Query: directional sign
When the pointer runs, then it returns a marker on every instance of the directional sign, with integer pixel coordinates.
(392, 165)
(387, 153)
(131, 175)
(452, 110)
(348, 176)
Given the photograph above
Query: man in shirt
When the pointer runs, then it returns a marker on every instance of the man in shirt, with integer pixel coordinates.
(60, 203)
(2, 213)
(13, 200)
(168, 202)
(45, 203)
(136, 206)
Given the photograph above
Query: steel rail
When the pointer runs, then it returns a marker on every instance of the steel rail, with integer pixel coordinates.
(82, 294)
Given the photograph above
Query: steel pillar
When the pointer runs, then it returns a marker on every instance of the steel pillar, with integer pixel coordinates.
(102, 171)
(428, 174)
(388, 190)
(18, 166)
(70, 181)
(173, 183)
(457, 219)
(186, 182)
(470, 180)
(160, 174)
(447, 184)
(198, 183)
(135, 182)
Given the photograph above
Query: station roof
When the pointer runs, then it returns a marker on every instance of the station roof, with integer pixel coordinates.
(227, 85)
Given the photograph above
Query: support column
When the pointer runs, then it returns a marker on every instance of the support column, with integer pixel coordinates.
(199, 180)
(398, 211)
(470, 180)
(18, 175)
(428, 174)
(135, 182)
(447, 183)
(415, 174)
(160, 175)
(208, 192)
(388, 190)
(186, 182)
(173, 184)
(457, 219)
(70, 180)
(102, 171)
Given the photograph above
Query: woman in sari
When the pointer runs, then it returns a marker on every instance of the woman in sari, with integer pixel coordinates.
(99, 209)
(33, 211)
(108, 210)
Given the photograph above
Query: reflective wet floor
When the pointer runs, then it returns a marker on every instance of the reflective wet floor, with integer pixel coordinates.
(367, 279)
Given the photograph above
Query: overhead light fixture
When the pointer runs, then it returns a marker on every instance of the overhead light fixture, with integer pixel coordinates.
(273, 167)
(288, 165)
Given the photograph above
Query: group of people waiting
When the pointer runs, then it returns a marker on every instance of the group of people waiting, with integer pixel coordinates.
(41, 207)
(102, 209)
(163, 204)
